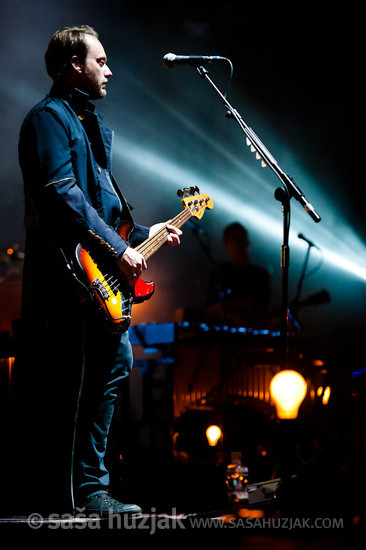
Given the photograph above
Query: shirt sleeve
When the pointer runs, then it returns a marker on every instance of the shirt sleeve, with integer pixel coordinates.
(139, 235)
(50, 181)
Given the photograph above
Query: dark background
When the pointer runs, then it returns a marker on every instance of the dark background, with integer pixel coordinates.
(297, 81)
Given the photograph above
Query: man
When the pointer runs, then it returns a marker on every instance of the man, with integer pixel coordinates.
(68, 364)
(240, 291)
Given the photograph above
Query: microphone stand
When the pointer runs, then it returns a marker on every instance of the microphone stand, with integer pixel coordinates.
(282, 194)
(206, 247)
(302, 277)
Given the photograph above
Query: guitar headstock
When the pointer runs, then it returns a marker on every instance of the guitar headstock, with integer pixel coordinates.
(197, 204)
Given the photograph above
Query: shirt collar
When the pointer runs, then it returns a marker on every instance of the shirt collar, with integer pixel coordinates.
(78, 100)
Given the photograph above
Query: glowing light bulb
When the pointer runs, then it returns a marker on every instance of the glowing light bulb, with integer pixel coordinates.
(213, 434)
(288, 390)
(326, 396)
(324, 393)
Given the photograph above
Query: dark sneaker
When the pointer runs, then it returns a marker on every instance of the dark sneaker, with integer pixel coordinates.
(103, 505)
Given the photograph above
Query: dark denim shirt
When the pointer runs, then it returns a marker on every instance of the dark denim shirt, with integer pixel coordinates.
(70, 193)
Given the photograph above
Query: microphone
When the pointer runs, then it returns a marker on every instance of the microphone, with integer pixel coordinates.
(301, 236)
(171, 60)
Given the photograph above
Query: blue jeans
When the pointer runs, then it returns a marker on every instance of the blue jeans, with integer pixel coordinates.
(108, 362)
(45, 386)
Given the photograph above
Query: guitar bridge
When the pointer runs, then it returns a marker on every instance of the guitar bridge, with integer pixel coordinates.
(99, 287)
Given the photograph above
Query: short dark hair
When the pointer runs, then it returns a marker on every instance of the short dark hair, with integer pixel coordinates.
(64, 44)
(236, 232)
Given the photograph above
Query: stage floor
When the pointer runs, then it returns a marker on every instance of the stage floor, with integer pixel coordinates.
(252, 529)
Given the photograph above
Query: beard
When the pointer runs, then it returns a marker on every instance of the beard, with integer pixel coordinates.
(96, 90)
(94, 87)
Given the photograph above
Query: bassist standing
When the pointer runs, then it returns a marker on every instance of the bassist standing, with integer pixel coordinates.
(69, 367)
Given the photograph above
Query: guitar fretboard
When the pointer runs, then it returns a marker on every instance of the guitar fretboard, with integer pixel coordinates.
(153, 243)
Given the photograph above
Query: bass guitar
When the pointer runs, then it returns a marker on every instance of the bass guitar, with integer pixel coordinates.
(108, 286)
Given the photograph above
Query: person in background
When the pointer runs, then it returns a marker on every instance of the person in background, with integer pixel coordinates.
(239, 291)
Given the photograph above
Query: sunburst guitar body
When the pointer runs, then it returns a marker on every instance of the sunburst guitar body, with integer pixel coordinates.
(111, 293)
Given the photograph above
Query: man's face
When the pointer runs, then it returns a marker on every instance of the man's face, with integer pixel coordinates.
(95, 71)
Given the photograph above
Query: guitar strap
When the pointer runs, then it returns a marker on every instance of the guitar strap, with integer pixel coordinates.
(121, 198)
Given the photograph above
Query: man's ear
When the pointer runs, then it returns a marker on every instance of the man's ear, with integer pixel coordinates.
(76, 64)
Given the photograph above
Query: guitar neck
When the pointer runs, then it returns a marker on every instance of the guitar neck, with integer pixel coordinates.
(152, 244)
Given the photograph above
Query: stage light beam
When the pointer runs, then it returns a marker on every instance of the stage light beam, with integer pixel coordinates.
(231, 205)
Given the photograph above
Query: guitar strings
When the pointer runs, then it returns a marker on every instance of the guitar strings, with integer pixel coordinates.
(148, 247)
